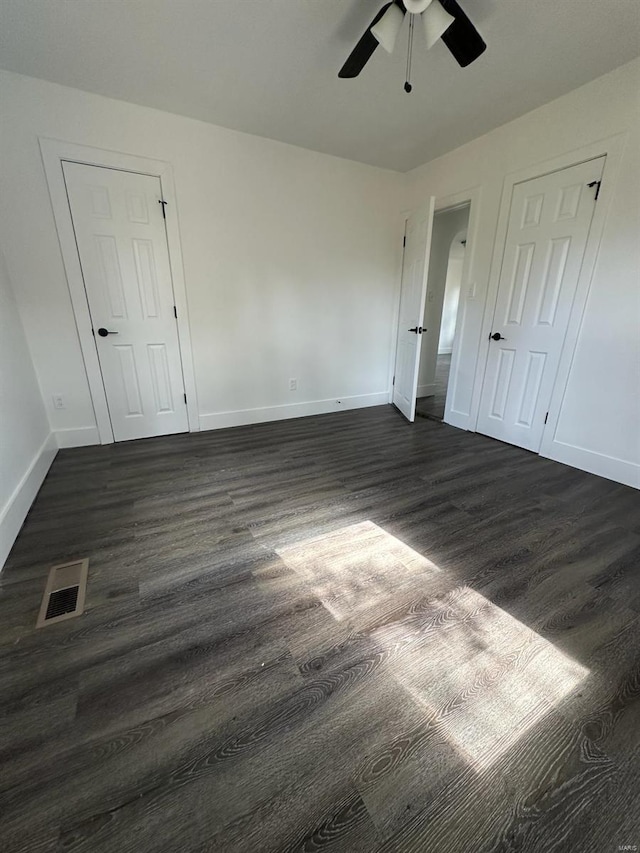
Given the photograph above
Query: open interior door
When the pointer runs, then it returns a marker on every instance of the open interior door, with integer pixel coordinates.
(413, 293)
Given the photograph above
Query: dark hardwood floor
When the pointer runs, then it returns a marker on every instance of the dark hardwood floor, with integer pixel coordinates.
(433, 407)
(343, 633)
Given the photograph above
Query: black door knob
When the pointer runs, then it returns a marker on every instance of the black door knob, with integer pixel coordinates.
(104, 332)
(497, 337)
(415, 329)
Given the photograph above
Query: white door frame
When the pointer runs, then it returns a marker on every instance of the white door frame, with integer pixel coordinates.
(54, 151)
(612, 148)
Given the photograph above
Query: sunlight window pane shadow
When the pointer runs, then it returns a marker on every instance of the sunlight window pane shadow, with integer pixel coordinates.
(483, 677)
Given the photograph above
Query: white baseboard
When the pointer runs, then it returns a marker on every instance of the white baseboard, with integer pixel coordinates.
(242, 417)
(610, 467)
(78, 437)
(427, 390)
(15, 511)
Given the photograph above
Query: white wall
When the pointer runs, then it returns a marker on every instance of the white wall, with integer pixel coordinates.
(451, 294)
(291, 258)
(292, 261)
(27, 447)
(446, 224)
(598, 426)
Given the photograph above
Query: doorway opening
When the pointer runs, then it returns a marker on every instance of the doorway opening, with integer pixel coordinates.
(444, 282)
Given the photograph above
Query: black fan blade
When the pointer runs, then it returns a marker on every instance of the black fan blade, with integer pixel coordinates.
(462, 38)
(363, 51)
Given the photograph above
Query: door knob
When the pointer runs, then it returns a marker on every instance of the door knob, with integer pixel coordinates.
(415, 329)
(497, 337)
(104, 332)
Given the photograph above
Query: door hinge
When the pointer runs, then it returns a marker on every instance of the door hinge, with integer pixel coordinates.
(597, 185)
(394, 381)
(175, 312)
(404, 241)
(545, 417)
(185, 398)
(164, 204)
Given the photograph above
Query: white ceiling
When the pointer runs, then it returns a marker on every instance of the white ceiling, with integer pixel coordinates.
(270, 67)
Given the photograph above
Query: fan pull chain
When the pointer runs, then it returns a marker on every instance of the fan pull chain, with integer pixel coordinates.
(407, 84)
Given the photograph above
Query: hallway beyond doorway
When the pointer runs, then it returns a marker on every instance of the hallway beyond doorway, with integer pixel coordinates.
(432, 407)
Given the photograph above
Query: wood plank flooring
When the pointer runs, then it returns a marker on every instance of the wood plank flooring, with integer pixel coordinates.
(340, 633)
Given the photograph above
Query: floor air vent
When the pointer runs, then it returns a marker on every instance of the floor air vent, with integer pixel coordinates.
(64, 594)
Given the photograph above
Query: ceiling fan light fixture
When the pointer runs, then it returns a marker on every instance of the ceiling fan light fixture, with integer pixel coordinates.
(436, 21)
(416, 7)
(462, 38)
(386, 30)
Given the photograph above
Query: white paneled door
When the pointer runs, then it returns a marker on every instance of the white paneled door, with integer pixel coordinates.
(547, 233)
(122, 244)
(412, 298)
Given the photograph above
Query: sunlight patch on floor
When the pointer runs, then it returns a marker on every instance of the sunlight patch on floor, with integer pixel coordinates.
(354, 568)
(485, 678)
(482, 677)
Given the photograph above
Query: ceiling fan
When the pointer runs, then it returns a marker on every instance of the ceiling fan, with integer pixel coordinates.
(440, 19)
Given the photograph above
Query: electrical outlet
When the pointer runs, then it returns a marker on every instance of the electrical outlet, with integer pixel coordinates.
(58, 401)
(293, 385)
